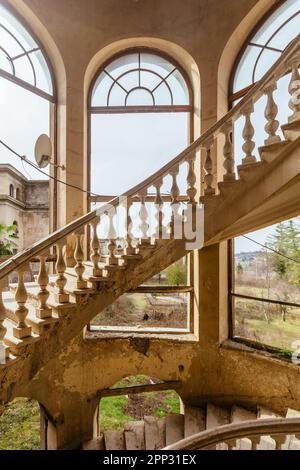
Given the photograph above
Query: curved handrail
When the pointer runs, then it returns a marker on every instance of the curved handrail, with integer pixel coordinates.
(9, 266)
(235, 431)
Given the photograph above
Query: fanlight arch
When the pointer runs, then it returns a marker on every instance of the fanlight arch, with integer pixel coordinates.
(22, 59)
(140, 77)
(264, 45)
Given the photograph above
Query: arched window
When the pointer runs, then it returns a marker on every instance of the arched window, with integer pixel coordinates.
(27, 92)
(18, 194)
(140, 109)
(264, 46)
(140, 117)
(11, 190)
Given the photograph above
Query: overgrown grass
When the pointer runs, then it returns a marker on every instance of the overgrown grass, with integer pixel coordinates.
(20, 426)
(111, 413)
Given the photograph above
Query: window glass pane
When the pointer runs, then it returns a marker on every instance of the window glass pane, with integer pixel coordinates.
(167, 311)
(278, 31)
(146, 71)
(131, 160)
(139, 97)
(263, 322)
(267, 266)
(122, 65)
(16, 42)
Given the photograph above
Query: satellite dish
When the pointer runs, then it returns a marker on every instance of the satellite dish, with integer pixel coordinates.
(43, 151)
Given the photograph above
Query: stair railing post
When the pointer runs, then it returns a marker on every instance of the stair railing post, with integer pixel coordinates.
(158, 204)
(43, 311)
(61, 296)
(95, 248)
(79, 258)
(21, 330)
(129, 238)
(112, 235)
(294, 90)
(248, 134)
(228, 164)
(271, 112)
(175, 193)
(3, 315)
(208, 167)
(143, 215)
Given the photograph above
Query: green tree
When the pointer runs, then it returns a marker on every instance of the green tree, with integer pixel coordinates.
(177, 274)
(7, 239)
(279, 242)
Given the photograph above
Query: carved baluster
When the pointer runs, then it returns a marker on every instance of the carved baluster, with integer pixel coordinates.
(95, 248)
(112, 235)
(61, 296)
(248, 134)
(130, 240)
(255, 440)
(43, 311)
(3, 316)
(271, 112)
(294, 91)
(228, 164)
(279, 441)
(21, 330)
(79, 257)
(143, 214)
(191, 179)
(175, 192)
(159, 216)
(208, 167)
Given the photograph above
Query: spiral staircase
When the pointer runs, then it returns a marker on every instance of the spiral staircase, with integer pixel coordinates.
(38, 319)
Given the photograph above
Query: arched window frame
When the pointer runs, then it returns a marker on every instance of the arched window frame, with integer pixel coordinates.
(136, 109)
(143, 109)
(51, 98)
(11, 190)
(236, 95)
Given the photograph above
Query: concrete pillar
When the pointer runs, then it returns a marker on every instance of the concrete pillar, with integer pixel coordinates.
(212, 295)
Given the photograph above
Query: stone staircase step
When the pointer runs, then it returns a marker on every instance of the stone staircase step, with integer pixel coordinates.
(268, 153)
(291, 131)
(114, 440)
(215, 417)
(194, 420)
(248, 172)
(292, 443)
(266, 442)
(238, 415)
(155, 432)
(174, 428)
(94, 444)
(135, 435)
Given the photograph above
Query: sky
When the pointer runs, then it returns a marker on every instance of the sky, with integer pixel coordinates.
(127, 148)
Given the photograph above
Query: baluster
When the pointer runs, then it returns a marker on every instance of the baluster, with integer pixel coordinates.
(95, 247)
(143, 214)
(61, 296)
(43, 311)
(279, 441)
(175, 192)
(21, 330)
(159, 216)
(228, 164)
(271, 112)
(129, 249)
(208, 167)
(112, 235)
(255, 440)
(294, 91)
(248, 134)
(191, 179)
(79, 257)
(3, 316)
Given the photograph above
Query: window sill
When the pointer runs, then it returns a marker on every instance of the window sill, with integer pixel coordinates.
(150, 333)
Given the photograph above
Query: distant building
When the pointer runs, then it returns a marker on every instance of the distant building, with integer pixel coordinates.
(24, 203)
